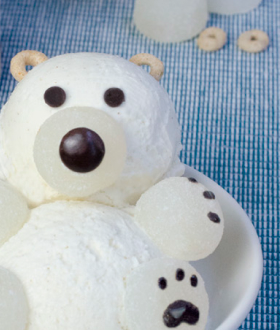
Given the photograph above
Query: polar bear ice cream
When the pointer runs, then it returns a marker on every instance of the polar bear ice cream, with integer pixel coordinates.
(82, 137)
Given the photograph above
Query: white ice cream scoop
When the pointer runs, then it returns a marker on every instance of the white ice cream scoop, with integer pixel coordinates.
(109, 94)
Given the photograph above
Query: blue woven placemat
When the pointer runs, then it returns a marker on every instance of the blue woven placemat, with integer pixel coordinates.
(228, 102)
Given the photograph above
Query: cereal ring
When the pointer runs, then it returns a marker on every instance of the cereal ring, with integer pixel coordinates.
(253, 41)
(157, 67)
(24, 58)
(212, 39)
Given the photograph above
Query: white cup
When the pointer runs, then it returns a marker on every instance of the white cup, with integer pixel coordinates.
(230, 7)
(170, 20)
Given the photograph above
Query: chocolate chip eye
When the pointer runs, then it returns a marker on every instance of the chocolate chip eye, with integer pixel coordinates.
(114, 97)
(180, 275)
(55, 96)
(162, 283)
(193, 280)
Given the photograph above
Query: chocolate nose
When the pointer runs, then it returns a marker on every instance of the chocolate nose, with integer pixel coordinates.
(81, 150)
(180, 312)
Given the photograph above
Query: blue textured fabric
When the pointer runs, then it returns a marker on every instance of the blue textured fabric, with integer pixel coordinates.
(227, 102)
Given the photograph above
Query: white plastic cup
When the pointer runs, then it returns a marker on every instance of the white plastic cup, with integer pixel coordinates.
(229, 7)
(170, 20)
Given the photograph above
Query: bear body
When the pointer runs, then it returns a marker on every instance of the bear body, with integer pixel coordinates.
(76, 256)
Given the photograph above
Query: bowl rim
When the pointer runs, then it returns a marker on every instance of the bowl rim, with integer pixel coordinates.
(240, 312)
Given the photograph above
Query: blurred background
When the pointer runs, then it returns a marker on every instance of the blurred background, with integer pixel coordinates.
(227, 102)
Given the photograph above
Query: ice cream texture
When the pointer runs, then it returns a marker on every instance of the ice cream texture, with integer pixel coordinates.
(94, 213)
(72, 259)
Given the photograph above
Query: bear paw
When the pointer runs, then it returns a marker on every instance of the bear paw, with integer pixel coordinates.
(181, 217)
(13, 302)
(165, 293)
(14, 211)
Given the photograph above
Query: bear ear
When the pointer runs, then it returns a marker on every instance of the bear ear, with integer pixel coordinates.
(157, 67)
(24, 58)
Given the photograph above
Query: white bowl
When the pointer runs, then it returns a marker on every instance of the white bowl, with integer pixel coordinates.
(233, 273)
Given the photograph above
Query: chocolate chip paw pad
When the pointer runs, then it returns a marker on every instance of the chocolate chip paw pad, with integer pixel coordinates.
(180, 311)
(165, 293)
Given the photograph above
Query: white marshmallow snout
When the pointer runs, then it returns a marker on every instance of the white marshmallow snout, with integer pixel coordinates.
(79, 151)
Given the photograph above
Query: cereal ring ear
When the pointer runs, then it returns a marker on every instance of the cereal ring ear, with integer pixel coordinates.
(157, 67)
(24, 58)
